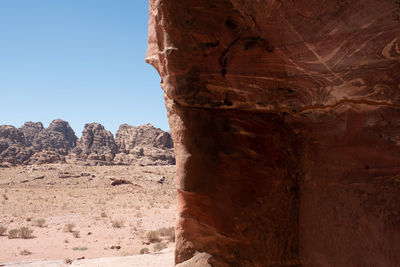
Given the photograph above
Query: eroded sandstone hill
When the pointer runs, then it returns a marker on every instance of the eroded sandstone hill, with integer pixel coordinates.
(34, 144)
(285, 119)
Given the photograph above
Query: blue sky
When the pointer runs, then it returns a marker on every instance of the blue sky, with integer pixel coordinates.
(78, 60)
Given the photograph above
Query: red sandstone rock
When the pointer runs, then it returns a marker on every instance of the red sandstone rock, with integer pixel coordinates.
(285, 118)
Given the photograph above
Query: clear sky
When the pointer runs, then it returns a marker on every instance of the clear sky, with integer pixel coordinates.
(78, 60)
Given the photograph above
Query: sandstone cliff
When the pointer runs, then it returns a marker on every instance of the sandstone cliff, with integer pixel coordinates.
(284, 116)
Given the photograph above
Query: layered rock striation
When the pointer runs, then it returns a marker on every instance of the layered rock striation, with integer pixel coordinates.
(284, 118)
(34, 144)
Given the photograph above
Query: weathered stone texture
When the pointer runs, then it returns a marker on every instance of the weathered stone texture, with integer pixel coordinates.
(97, 145)
(284, 116)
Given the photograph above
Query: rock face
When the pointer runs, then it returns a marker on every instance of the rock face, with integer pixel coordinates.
(144, 144)
(31, 130)
(34, 144)
(284, 116)
(96, 145)
(12, 145)
(58, 137)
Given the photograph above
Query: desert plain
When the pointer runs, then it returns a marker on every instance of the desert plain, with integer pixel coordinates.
(70, 212)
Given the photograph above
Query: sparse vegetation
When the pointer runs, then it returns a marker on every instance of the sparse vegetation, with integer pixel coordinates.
(68, 261)
(85, 221)
(117, 223)
(159, 246)
(144, 251)
(168, 232)
(40, 223)
(79, 248)
(69, 227)
(153, 237)
(76, 234)
(25, 232)
(13, 233)
(2, 230)
(25, 252)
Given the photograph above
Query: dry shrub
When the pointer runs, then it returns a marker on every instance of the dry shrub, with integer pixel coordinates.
(144, 251)
(2, 230)
(153, 237)
(25, 232)
(117, 223)
(76, 234)
(68, 261)
(168, 232)
(69, 227)
(159, 246)
(13, 233)
(103, 214)
(25, 252)
(40, 223)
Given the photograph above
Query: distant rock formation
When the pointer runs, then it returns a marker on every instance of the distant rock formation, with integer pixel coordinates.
(12, 145)
(58, 137)
(144, 144)
(34, 144)
(97, 145)
(30, 130)
(128, 137)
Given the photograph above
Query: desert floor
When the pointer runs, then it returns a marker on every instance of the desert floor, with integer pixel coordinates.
(75, 212)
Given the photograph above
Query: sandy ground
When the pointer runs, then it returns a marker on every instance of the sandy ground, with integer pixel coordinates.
(49, 199)
(164, 258)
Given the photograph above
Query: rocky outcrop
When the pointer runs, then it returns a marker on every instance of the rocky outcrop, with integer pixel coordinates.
(34, 144)
(96, 146)
(45, 157)
(129, 137)
(31, 130)
(58, 137)
(12, 145)
(284, 118)
(144, 144)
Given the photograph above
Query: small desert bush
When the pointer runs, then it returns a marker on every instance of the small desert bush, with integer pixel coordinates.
(168, 232)
(117, 223)
(103, 214)
(25, 232)
(159, 246)
(13, 233)
(40, 223)
(69, 227)
(2, 230)
(153, 237)
(144, 251)
(76, 234)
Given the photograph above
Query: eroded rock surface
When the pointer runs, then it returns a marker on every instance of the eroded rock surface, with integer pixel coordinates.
(96, 145)
(13, 147)
(58, 137)
(284, 116)
(34, 144)
(145, 145)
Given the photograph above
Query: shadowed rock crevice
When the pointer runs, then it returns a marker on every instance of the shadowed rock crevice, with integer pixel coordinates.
(284, 118)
